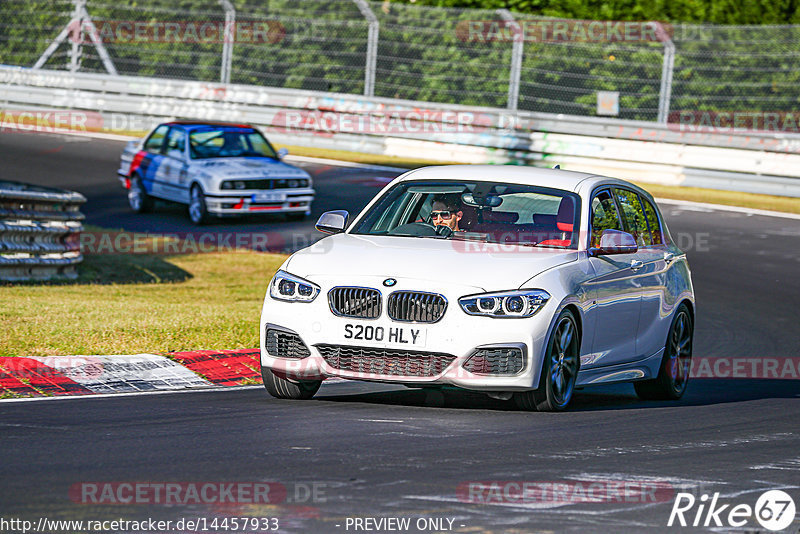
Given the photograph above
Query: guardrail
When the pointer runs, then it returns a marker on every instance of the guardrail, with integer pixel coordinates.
(39, 232)
(753, 162)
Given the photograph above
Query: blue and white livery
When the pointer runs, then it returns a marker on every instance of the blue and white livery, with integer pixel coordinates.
(217, 169)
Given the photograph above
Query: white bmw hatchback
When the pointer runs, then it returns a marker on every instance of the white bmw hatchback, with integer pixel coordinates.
(516, 281)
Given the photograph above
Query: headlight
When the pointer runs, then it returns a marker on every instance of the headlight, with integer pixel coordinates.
(507, 304)
(226, 185)
(292, 288)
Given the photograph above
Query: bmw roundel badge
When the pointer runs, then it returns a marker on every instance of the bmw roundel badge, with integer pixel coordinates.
(389, 282)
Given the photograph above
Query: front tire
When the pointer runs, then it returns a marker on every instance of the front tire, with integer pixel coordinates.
(281, 388)
(138, 199)
(559, 371)
(197, 206)
(673, 374)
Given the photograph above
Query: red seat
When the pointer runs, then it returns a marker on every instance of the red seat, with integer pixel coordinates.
(565, 219)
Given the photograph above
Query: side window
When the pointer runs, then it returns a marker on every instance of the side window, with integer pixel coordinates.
(652, 221)
(156, 139)
(176, 143)
(604, 216)
(633, 216)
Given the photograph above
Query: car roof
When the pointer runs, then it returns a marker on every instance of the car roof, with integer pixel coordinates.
(552, 178)
(190, 125)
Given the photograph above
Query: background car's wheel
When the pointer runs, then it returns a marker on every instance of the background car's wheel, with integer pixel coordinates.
(673, 375)
(282, 388)
(197, 206)
(138, 199)
(559, 371)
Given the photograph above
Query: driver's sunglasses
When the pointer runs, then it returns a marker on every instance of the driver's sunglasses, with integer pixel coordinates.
(444, 215)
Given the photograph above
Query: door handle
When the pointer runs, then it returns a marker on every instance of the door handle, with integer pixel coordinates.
(636, 265)
(668, 257)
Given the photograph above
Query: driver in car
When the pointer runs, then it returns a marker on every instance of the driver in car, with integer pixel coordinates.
(446, 211)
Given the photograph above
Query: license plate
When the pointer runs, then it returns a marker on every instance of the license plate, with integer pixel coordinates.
(268, 197)
(408, 336)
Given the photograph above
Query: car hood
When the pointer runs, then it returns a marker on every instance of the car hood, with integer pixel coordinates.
(489, 266)
(248, 168)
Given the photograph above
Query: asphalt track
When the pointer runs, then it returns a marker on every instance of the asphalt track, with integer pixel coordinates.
(383, 451)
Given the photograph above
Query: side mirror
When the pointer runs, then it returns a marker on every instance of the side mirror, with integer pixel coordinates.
(615, 242)
(332, 222)
(282, 153)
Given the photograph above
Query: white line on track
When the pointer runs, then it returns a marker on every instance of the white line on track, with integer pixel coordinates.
(382, 420)
(341, 163)
(291, 157)
(131, 394)
(329, 381)
(704, 206)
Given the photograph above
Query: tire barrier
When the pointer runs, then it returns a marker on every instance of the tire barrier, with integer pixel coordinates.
(39, 232)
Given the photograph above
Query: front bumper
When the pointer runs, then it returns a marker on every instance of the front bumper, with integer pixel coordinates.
(241, 202)
(457, 335)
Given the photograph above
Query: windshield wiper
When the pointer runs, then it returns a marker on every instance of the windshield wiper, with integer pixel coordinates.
(466, 238)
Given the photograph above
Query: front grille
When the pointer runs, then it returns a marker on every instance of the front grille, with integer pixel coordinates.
(281, 344)
(282, 183)
(359, 302)
(387, 362)
(416, 307)
(499, 361)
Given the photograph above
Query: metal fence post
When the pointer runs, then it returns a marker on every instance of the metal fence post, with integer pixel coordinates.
(516, 58)
(227, 43)
(667, 67)
(372, 47)
(80, 21)
(77, 50)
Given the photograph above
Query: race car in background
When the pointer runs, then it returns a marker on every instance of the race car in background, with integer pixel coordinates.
(216, 168)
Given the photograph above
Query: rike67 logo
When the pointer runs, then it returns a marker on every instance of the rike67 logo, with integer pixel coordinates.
(774, 511)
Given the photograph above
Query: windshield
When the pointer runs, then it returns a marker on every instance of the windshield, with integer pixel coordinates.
(223, 142)
(484, 211)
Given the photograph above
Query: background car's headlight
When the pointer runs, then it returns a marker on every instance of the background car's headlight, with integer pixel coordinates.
(233, 184)
(292, 288)
(519, 303)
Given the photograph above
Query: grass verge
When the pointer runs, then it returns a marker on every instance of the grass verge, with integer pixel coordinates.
(132, 303)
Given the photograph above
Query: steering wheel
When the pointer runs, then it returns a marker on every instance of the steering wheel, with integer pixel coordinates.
(415, 229)
(444, 231)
